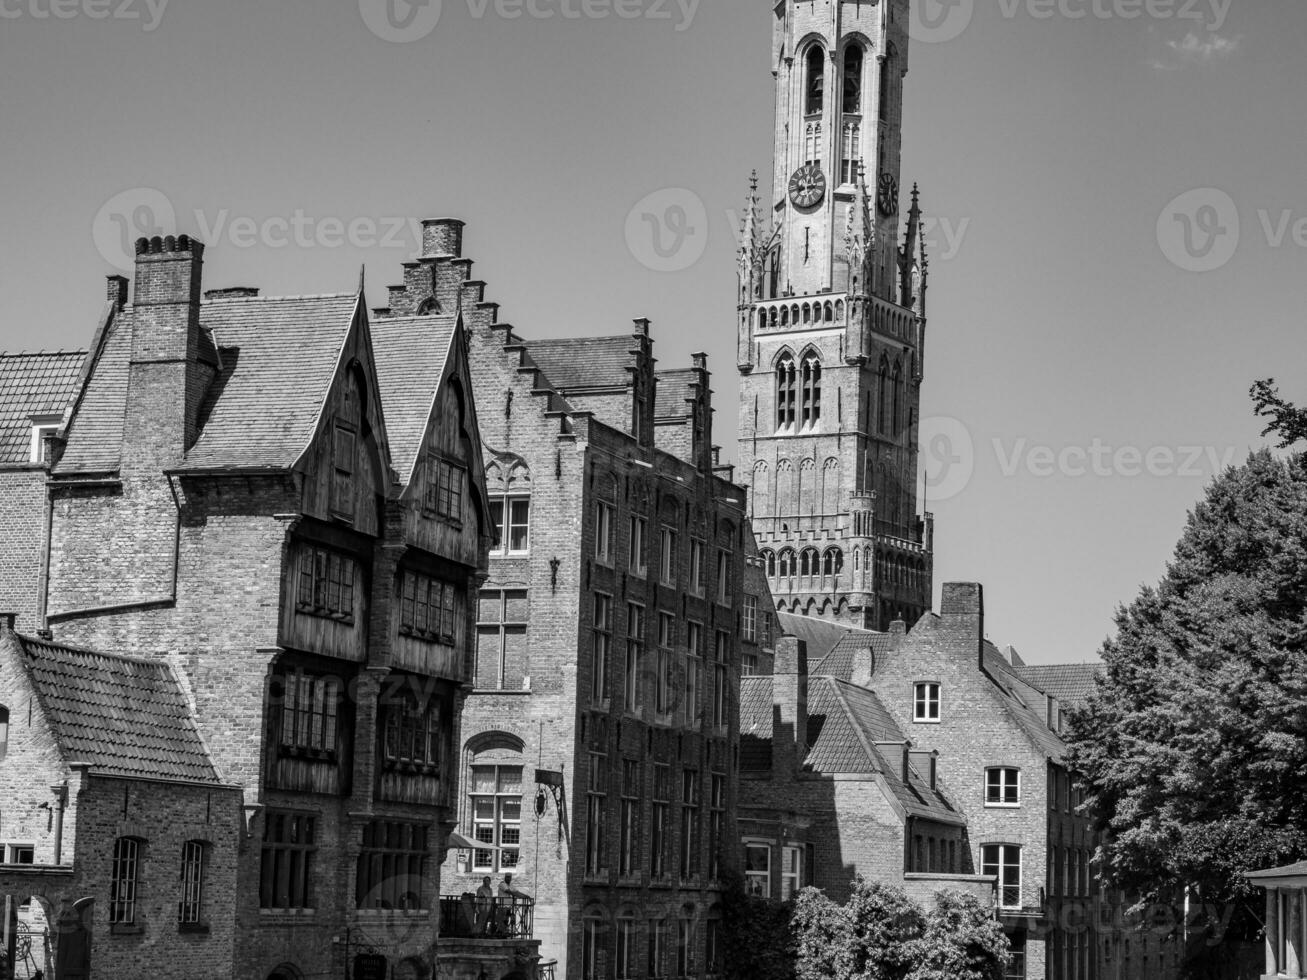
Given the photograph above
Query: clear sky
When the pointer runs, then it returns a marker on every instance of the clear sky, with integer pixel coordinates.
(1085, 306)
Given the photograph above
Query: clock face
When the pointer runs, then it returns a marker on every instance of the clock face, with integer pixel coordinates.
(808, 186)
(887, 194)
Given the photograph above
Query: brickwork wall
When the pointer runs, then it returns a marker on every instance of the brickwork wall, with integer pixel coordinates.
(22, 510)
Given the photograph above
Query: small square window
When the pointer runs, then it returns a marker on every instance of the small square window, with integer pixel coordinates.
(1002, 786)
(925, 703)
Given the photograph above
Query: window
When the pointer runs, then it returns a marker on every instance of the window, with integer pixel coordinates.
(592, 949)
(40, 452)
(4, 731)
(832, 563)
(1002, 787)
(657, 949)
(413, 739)
(603, 645)
(635, 561)
(1016, 968)
(749, 665)
(342, 464)
(496, 798)
(696, 567)
(634, 656)
(430, 609)
(604, 533)
(811, 392)
(749, 620)
(768, 641)
(721, 681)
(689, 823)
(515, 536)
(785, 393)
(123, 880)
(626, 945)
(925, 702)
(757, 868)
(18, 853)
(716, 824)
(724, 578)
(501, 640)
(286, 867)
(665, 681)
(309, 714)
(392, 866)
(1004, 862)
(194, 860)
(596, 860)
(326, 584)
(685, 943)
(693, 672)
(816, 87)
(791, 872)
(658, 826)
(443, 495)
(853, 79)
(667, 558)
(713, 956)
(630, 824)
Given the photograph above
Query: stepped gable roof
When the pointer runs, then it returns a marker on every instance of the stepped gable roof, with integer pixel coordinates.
(579, 363)
(845, 723)
(279, 357)
(123, 716)
(411, 354)
(820, 635)
(1024, 703)
(31, 385)
(1069, 683)
(676, 393)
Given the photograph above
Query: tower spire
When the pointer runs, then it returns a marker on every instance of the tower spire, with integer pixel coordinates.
(860, 236)
(908, 255)
(751, 251)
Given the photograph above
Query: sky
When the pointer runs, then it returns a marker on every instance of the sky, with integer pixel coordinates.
(1118, 216)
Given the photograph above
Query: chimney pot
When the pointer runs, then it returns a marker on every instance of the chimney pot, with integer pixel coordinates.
(442, 238)
(8, 622)
(642, 326)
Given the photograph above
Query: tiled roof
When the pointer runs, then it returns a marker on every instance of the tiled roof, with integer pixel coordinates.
(279, 356)
(820, 635)
(839, 662)
(410, 353)
(676, 392)
(1288, 871)
(1024, 703)
(1069, 683)
(95, 435)
(584, 362)
(124, 717)
(33, 384)
(844, 724)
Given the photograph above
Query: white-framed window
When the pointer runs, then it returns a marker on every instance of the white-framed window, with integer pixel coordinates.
(604, 533)
(512, 520)
(603, 647)
(925, 702)
(1002, 786)
(190, 910)
(634, 656)
(791, 871)
(635, 561)
(496, 816)
(757, 868)
(749, 619)
(40, 429)
(667, 558)
(18, 853)
(1004, 862)
(501, 662)
(696, 566)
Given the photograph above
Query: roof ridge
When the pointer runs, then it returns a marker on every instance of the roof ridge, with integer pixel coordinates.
(61, 352)
(88, 652)
(227, 301)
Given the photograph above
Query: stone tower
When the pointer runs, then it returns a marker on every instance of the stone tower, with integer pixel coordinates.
(832, 325)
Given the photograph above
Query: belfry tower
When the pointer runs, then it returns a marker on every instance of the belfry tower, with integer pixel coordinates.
(832, 325)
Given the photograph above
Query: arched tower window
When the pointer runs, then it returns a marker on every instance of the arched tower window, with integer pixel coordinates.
(852, 151)
(853, 79)
(770, 558)
(832, 563)
(816, 81)
(786, 387)
(811, 391)
(787, 563)
(812, 143)
(808, 563)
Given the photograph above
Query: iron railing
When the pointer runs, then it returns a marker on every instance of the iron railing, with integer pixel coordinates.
(468, 916)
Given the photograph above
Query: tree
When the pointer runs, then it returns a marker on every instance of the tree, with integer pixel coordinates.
(1194, 746)
(1287, 421)
(882, 934)
(756, 936)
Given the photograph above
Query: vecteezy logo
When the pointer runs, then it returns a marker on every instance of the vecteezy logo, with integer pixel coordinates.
(1199, 230)
(138, 213)
(936, 21)
(401, 21)
(948, 456)
(668, 230)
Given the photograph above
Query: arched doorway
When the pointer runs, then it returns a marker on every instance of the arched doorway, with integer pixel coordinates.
(286, 971)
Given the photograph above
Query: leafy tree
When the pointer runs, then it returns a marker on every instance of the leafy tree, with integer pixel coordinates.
(757, 942)
(1287, 421)
(962, 941)
(1194, 746)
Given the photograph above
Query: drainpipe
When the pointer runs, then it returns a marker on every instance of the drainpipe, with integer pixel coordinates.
(60, 791)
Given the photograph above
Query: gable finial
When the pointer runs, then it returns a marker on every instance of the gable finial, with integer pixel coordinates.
(363, 275)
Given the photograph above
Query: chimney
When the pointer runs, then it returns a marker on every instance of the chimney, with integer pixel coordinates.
(789, 707)
(232, 292)
(169, 373)
(963, 611)
(927, 765)
(442, 238)
(864, 665)
(116, 291)
(701, 453)
(8, 622)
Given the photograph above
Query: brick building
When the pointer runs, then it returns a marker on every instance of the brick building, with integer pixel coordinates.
(832, 326)
(228, 497)
(597, 753)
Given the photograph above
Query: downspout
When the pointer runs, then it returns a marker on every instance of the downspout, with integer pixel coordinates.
(43, 588)
(60, 791)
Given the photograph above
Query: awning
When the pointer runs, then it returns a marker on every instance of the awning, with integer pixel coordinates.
(458, 840)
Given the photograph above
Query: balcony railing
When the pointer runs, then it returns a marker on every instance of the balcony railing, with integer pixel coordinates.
(468, 917)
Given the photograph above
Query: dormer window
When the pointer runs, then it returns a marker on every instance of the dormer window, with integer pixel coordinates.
(41, 429)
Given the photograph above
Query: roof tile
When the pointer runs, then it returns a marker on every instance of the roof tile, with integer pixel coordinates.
(33, 385)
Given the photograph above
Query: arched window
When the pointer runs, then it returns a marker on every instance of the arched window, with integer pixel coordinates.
(785, 316)
(770, 558)
(853, 79)
(811, 391)
(851, 152)
(839, 310)
(508, 483)
(495, 800)
(816, 82)
(786, 384)
(812, 143)
(787, 564)
(833, 563)
(773, 317)
(809, 563)
(761, 487)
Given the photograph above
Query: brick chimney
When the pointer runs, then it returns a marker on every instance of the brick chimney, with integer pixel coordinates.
(789, 707)
(962, 610)
(169, 372)
(442, 238)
